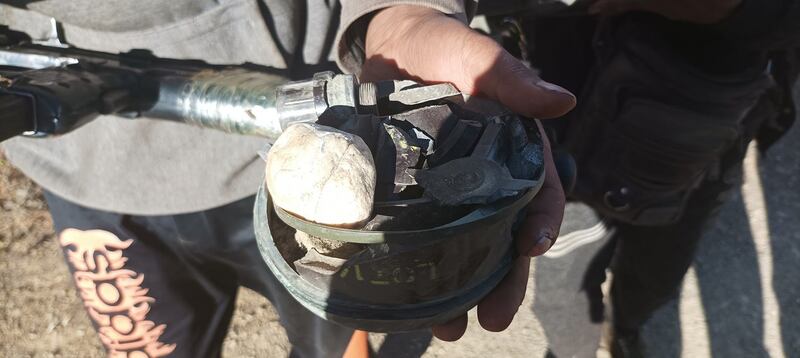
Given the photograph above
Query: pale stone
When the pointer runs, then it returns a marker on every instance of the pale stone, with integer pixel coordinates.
(322, 174)
(327, 247)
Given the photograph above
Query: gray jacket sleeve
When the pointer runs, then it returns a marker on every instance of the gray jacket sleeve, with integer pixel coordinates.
(357, 13)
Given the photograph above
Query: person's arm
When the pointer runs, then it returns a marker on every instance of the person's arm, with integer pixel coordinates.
(430, 42)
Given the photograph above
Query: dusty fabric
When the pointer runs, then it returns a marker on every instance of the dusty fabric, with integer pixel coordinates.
(176, 277)
(154, 167)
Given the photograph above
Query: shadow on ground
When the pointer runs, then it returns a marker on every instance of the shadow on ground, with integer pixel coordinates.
(729, 278)
(741, 298)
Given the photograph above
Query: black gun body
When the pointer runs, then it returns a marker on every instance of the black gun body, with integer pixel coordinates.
(65, 87)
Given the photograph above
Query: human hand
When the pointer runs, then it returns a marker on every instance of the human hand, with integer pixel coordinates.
(427, 46)
(696, 11)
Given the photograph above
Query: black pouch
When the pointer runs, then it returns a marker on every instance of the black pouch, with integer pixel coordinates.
(651, 127)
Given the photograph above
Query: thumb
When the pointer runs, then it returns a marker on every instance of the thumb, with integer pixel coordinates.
(432, 47)
(498, 75)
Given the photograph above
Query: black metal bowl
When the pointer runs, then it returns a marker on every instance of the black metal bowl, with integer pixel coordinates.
(403, 280)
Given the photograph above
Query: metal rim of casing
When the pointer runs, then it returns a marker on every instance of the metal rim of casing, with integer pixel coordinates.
(481, 216)
(371, 317)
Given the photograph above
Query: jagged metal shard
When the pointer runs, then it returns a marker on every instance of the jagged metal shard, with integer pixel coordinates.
(527, 162)
(395, 155)
(470, 180)
(406, 155)
(436, 121)
(317, 268)
(527, 157)
(425, 94)
(458, 142)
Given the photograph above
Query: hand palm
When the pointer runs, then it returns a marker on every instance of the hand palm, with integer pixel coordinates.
(425, 45)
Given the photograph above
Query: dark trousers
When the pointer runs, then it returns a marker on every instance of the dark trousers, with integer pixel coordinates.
(649, 263)
(166, 285)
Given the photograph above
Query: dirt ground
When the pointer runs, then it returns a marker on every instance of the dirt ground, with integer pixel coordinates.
(40, 314)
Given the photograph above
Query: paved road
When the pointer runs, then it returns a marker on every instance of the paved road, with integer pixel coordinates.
(742, 298)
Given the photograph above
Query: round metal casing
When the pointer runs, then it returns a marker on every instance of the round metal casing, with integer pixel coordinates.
(403, 280)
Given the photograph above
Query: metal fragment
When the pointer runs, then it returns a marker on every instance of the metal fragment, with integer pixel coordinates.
(457, 144)
(432, 94)
(470, 180)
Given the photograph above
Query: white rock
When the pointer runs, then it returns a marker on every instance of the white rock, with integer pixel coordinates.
(332, 248)
(322, 174)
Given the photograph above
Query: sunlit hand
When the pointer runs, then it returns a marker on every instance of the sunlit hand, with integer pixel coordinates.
(427, 46)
